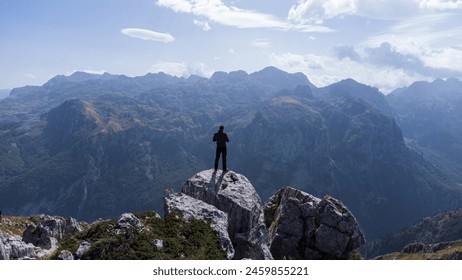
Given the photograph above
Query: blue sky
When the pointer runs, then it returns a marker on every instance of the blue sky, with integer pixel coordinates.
(386, 44)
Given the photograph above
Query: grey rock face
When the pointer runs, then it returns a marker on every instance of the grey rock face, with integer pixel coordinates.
(127, 220)
(302, 226)
(65, 255)
(159, 244)
(234, 194)
(428, 248)
(12, 247)
(83, 248)
(42, 235)
(194, 208)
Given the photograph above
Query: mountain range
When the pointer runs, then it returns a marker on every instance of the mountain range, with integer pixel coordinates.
(95, 146)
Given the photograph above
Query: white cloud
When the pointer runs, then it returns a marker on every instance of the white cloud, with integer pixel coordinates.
(440, 4)
(181, 69)
(216, 11)
(145, 34)
(202, 24)
(325, 70)
(261, 43)
(446, 58)
(419, 31)
(432, 39)
(317, 11)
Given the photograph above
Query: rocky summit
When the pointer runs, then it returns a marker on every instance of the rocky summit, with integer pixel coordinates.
(194, 208)
(233, 194)
(302, 226)
(292, 225)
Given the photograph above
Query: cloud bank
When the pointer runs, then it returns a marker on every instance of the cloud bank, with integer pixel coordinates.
(317, 11)
(216, 11)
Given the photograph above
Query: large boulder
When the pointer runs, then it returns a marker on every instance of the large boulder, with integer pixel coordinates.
(197, 209)
(302, 226)
(13, 247)
(128, 220)
(233, 194)
(84, 247)
(65, 255)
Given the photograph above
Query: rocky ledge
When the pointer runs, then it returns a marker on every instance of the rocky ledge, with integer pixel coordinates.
(302, 226)
(292, 225)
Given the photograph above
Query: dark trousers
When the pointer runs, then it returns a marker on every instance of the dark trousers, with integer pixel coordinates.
(222, 151)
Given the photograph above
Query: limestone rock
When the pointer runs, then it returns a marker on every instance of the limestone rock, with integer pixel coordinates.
(128, 220)
(302, 226)
(65, 255)
(51, 227)
(13, 247)
(234, 194)
(194, 208)
(159, 244)
(43, 253)
(83, 248)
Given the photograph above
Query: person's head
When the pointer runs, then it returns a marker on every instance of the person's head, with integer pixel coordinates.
(221, 128)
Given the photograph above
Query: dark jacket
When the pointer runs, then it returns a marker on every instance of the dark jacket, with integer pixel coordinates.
(221, 138)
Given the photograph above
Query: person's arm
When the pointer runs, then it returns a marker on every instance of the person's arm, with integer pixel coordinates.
(215, 137)
(226, 138)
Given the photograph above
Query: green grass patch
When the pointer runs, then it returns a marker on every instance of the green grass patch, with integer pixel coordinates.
(183, 239)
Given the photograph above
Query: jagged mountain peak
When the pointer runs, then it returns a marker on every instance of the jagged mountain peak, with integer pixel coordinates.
(350, 88)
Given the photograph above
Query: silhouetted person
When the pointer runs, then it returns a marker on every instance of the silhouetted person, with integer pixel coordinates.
(221, 138)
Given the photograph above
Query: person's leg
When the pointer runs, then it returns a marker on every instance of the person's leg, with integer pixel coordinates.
(224, 154)
(217, 158)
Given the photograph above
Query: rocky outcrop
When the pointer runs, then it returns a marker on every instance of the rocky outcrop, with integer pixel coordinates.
(292, 225)
(13, 247)
(84, 247)
(449, 250)
(65, 255)
(50, 228)
(444, 250)
(39, 240)
(233, 194)
(127, 220)
(194, 208)
(302, 226)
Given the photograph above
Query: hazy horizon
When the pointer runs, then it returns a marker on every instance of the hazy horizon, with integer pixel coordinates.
(387, 44)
